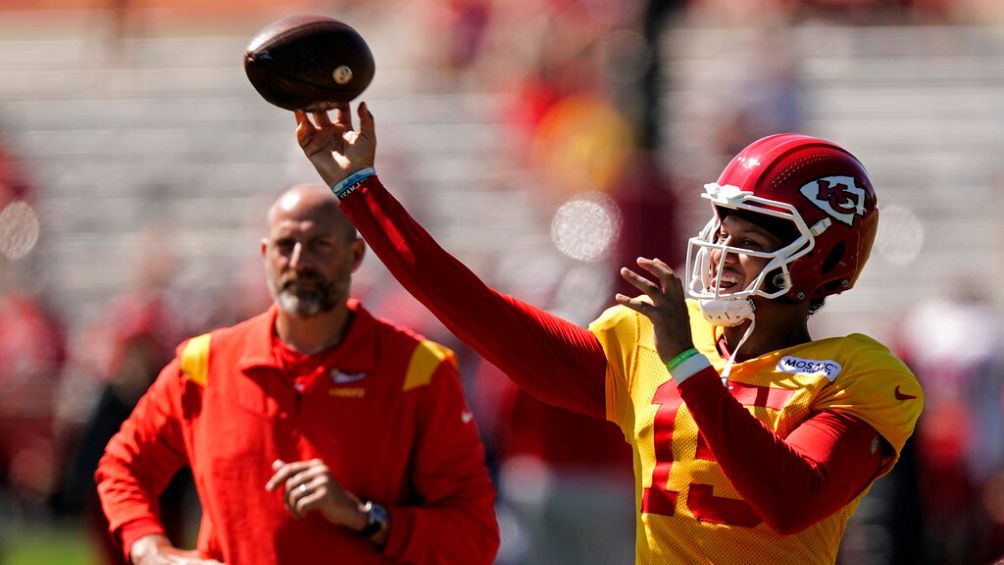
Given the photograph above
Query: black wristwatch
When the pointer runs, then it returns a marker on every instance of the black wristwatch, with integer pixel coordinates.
(376, 517)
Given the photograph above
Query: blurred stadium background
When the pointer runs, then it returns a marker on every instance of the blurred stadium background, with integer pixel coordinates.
(545, 142)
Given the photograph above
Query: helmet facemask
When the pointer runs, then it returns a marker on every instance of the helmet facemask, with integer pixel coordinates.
(732, 307)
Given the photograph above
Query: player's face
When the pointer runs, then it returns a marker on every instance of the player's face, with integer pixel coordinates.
(738, 270)
(309, 259)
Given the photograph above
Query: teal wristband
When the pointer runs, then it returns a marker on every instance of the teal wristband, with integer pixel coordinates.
(347, 185)
(680, 358)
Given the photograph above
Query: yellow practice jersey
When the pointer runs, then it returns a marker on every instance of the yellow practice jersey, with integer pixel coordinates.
(674, 471)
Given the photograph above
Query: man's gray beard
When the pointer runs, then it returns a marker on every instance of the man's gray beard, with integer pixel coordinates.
(308, 306)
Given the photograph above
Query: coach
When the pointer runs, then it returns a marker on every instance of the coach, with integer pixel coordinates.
(316, 433)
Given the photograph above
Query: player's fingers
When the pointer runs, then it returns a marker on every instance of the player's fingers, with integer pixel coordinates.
(669, 282)
(657, 264)
(641, 283)
(323, 119)
(622, 299)
(304, 129)
(303, 137)
(672, 279)
(634, 303)
(657, 268)
(343, 115)
(367, 125)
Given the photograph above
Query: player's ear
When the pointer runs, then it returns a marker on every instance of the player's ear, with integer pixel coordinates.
(358, 250)
(264, 246)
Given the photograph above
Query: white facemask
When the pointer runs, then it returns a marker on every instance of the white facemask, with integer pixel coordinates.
(733, 307)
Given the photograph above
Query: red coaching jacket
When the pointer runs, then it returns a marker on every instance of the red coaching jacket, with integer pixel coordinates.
(384, 410)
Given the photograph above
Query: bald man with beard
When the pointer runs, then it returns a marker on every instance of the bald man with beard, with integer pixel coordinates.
(315, 432)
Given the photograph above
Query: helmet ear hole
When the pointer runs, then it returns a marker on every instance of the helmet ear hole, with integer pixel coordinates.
(774, 281)
(834, 257)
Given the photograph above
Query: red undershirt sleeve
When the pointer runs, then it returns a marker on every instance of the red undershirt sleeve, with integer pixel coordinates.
(795, 482)
(553, 359)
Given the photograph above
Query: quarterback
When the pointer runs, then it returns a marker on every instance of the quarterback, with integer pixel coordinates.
(752, 442)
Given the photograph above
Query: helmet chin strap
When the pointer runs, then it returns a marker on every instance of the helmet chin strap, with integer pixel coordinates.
(729, 313)
(732, 358)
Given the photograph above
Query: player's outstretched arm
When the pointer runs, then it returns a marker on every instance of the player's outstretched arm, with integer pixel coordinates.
(553, 359)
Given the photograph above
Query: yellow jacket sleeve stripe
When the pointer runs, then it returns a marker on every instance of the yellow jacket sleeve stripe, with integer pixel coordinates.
(195, 359)
(424, 362)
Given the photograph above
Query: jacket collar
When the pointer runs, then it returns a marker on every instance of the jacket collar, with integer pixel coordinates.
(356, 353)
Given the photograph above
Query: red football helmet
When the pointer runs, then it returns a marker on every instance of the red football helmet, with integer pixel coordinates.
(815, 185)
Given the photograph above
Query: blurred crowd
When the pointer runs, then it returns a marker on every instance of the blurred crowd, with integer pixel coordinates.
(580, 78)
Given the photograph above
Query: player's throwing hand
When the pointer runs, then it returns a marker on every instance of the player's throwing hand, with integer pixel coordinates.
(335, 148)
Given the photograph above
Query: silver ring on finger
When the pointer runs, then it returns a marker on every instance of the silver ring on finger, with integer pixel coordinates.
(302, 489)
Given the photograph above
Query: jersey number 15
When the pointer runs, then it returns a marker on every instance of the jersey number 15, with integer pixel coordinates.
(701, 501)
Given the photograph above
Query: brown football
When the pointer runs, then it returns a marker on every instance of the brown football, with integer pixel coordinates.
(308, 62)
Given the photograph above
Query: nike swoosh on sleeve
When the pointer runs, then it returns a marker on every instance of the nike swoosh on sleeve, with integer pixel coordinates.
(902, 396)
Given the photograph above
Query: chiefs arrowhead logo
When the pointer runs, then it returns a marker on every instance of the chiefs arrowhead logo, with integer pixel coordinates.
(837, 196)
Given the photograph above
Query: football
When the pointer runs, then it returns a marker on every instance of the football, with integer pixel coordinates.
(308, 62)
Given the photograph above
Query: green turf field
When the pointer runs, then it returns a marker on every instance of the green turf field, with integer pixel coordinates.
(46, 545)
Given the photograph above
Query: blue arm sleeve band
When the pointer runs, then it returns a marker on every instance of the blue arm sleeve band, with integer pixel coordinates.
(351, 182)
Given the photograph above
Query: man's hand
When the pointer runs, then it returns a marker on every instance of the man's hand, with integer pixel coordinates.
(157, 550)
(667, 307)
(334, 148)
(308, 485)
